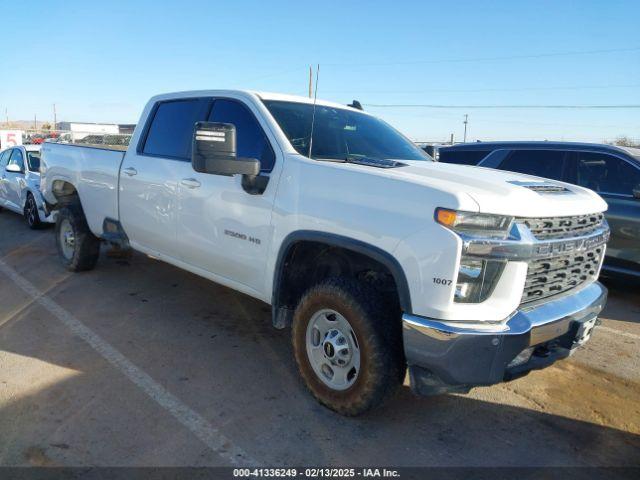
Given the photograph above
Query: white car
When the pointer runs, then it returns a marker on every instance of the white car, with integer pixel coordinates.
(378, 257)
(20, 184)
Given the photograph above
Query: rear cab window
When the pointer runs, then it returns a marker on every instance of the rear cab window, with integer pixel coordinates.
(170, 132)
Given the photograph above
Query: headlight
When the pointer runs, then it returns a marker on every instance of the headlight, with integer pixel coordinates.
(481, 224)
(477, 279)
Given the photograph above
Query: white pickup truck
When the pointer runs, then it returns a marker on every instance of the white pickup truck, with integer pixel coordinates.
(377, 257)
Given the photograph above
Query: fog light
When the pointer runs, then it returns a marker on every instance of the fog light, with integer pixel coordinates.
(477, 279)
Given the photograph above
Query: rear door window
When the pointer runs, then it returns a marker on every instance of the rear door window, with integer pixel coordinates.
(33, 159)
(251, 141)
(462, 157)
(606, 174)
(171, 131)
(540, 163)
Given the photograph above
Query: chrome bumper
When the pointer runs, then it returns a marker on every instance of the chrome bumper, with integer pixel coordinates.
(454, 356)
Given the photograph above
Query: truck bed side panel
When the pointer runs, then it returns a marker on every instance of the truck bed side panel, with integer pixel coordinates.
(94, 174)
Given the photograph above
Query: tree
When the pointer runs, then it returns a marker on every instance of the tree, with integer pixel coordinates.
(624, 141)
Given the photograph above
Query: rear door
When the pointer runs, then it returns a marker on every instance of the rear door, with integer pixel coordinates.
(222, 228)
(614, 178)
(150, 174)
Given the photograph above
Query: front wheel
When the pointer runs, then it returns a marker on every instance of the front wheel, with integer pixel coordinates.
(31, 215)
(348, 346)
(77, 246)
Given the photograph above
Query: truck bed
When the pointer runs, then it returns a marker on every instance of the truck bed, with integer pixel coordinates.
(93, 170)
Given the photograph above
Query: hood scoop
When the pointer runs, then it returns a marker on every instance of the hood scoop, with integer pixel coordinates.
(541, 187)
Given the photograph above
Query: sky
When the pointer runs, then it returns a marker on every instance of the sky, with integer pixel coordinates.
(100, 61)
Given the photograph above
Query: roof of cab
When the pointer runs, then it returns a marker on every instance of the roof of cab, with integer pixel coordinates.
(256, 94)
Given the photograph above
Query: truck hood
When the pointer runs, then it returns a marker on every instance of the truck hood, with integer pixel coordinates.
(502, 192)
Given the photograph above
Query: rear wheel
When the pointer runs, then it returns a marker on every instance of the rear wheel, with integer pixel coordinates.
(77, 246)
(31, 215)
(347, 345)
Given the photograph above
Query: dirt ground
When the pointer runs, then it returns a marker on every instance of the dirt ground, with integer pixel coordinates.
(138, 363)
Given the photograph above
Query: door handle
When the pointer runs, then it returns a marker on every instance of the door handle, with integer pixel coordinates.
(130, 171)
(190, 182)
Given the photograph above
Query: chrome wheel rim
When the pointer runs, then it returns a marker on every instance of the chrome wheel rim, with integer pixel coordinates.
(333, 349)
(32, 211)
(67, 239)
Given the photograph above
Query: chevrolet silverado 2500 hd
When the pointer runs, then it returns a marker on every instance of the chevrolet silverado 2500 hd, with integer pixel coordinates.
(379, 258)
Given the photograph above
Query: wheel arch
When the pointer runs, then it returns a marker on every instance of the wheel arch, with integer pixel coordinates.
(341, 247)
(64, 192)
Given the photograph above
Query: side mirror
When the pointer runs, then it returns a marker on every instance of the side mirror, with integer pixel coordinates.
(214, 151)
(636, 191)
(14, 168)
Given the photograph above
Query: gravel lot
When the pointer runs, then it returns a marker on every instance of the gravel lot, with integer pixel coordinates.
(138, 363)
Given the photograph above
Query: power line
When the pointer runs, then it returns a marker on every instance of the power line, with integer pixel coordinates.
(489, 59)
(495, 89)
(585, 107)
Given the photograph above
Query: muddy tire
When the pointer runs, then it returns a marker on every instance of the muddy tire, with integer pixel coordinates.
(348, 345)
(30, 212)
(79, 249)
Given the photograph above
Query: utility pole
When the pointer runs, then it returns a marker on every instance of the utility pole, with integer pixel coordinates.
(55, 120)
(310, 82)
(35, 122)
(6, 115)
(466, 120)
(451, 139)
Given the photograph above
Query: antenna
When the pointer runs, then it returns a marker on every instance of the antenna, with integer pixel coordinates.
(313, 117)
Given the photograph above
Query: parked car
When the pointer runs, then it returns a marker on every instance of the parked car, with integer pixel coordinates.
(379, 257)
(37, 139)
(20, 184)
(611, 171)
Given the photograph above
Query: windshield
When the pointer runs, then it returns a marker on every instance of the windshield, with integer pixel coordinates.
(33, 159)
(341, 134)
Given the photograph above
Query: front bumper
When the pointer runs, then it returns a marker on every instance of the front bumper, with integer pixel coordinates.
(447, 356)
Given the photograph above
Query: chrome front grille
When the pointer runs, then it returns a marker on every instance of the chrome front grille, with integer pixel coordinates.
(548, 228)
(552, 276)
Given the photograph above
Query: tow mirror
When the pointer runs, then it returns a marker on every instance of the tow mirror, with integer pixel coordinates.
(636, 191)
(13, 168)
(214, 151)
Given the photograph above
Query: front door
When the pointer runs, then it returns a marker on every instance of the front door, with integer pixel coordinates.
(4, 160)
(222, 228)
(14, 181)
